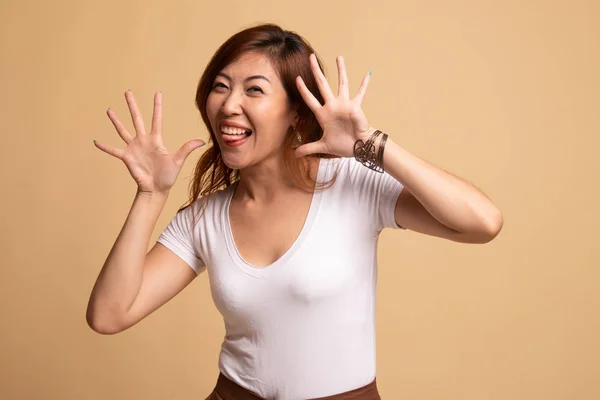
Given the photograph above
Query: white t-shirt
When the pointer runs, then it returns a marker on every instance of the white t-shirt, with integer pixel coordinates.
(304, 326)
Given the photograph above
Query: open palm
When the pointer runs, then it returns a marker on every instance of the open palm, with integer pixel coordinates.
(153, 168)
(341, 118)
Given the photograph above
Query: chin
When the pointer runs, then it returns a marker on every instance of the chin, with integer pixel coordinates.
(234, 162)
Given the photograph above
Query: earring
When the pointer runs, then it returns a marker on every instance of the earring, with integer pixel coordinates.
(297, 138)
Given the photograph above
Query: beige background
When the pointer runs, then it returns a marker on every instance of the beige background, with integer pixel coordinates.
(502, 93)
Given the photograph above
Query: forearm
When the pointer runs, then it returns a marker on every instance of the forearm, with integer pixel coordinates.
(121, 276)
(451, 200)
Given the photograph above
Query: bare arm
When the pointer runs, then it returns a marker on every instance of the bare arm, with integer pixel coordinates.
(164, 276)
(128, 269)
(439, 203)
(434, 201)
(132, 283)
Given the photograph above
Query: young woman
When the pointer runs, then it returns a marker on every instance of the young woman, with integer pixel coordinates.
(284, 214)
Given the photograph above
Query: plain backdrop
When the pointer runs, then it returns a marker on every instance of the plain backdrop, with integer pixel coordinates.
(502, 93)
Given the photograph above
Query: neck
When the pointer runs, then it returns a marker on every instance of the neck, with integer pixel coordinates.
(270, 181)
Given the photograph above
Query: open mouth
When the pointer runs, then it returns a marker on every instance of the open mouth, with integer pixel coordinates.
(233, 135)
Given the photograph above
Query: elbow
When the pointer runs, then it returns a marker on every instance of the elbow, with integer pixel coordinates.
(101, 327)
(498, 223)
(104, 329)
(493, 227)
(485, 232)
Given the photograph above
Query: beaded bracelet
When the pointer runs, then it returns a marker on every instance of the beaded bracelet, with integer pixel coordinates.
(365, 152)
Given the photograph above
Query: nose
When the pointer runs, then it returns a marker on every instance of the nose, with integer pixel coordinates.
(232, 104)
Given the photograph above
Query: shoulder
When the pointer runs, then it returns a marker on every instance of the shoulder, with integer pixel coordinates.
(218, 196)
(337, 165)
(203, 204)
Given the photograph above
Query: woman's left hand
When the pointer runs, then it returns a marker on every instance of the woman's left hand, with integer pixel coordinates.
(341, 118)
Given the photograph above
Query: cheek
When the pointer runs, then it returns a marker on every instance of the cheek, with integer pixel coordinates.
(212, 108)
(269, 116)
(210, 104)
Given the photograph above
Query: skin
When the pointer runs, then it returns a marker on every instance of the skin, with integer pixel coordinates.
(434, 202)
(132, 284)
(261, 105)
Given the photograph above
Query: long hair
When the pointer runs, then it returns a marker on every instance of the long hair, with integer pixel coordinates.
(289, 55)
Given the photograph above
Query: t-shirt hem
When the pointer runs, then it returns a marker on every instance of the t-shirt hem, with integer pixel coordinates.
(190, 260)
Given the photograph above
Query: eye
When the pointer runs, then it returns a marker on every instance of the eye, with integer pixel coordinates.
(218, 84)
(256, 88)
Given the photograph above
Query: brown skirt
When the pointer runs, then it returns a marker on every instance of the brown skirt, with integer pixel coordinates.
(227, 389)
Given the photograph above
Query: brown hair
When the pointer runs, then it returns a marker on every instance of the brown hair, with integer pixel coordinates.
(289, 55)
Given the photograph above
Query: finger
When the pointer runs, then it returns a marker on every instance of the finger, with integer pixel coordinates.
(157, 115)
(311, 101)
(320, 78)
(343, 90)
(363, 89)
(110, 150)
(184, 151)
(119, 126)
(136, 116)
(310, 148)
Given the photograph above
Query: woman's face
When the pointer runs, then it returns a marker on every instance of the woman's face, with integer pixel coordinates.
(248, 96)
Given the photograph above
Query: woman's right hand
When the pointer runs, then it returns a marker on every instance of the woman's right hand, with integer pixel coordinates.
(146, 158)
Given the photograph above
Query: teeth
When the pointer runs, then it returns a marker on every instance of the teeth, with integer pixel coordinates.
(232, 131)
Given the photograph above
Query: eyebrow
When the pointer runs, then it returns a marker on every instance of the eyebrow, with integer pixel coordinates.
(224, 75)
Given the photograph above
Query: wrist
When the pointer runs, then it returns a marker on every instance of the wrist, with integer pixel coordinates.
(366, 135)
(152, 195)
(369, 149)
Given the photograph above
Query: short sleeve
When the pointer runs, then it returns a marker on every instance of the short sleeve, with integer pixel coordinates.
(178, 237)
(377, 192)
